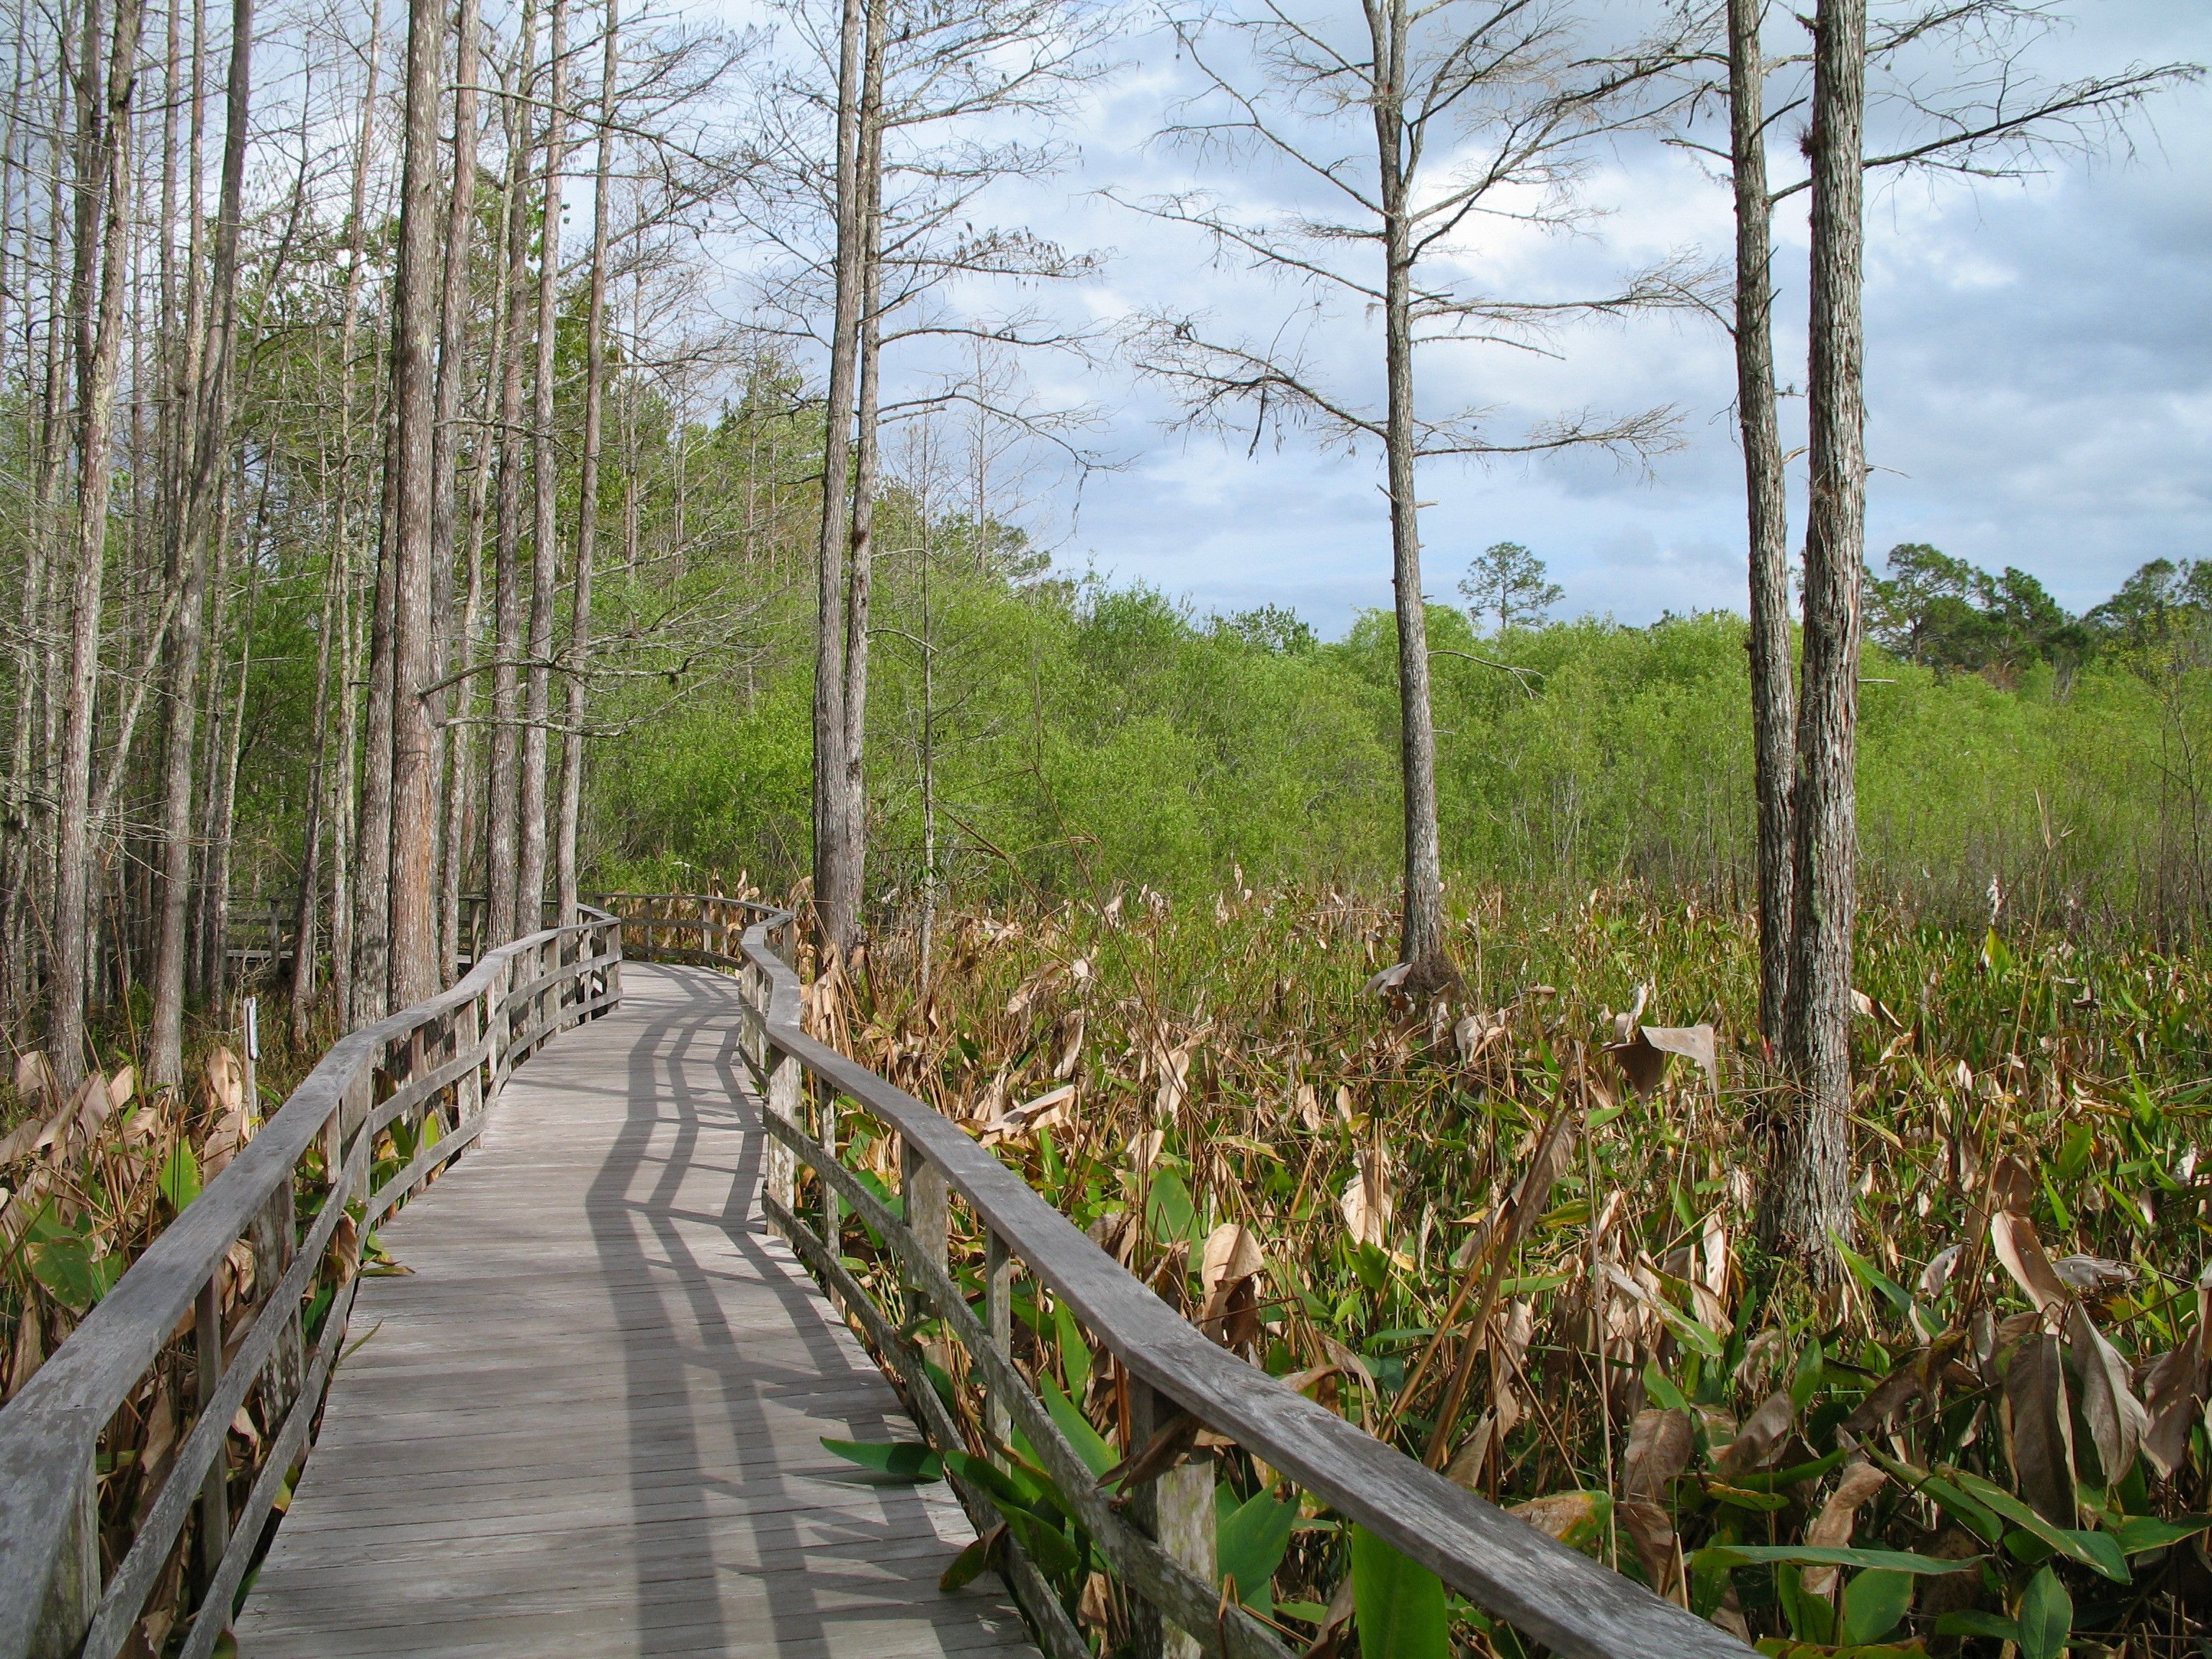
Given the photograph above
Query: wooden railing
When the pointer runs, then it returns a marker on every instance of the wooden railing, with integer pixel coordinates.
(1158, 1539)
(417, 1085)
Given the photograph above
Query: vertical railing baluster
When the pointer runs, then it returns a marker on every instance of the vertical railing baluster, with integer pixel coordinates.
(1177, 1509)
(928, 1217)
(274, 1239)
(833, 1207)
(999, 1321)
(73, 1590)
(214, 1486)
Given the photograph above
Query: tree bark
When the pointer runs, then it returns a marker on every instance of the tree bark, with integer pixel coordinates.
(372, 946)
(452, 380)
(545, 479)
(1422, 935)
(207, 446)
(837, 906)
(105, 219)
(506, 590)
(852, 845)
(413, 958)
(587, 482)
(1808, 1201)
(1774, 695)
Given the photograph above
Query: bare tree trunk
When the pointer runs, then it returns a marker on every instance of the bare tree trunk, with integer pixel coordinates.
(587, 482)
(342, 819)
(507, 589)
(1422, 941)
(452, 380)
(852, 848)
(372, 908)
(207, 444)
(545, 479)
(1774, 695)
(305, 920)
(417, 291)
(836, 908)
(1808, 1198)
(106, 195)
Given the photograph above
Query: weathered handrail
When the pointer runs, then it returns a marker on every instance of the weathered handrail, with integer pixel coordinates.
(444, 1059)
(1161, 1544)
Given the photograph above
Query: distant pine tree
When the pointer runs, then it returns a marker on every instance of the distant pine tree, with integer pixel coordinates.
(1508, 584)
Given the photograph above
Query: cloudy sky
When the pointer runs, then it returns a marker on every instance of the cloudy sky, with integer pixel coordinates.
(2039, 369)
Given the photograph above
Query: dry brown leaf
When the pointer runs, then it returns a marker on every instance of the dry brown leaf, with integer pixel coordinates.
(2042, 1429)
(2173, 1390)
(226, 1079)
(1695, 1043)
(2117, 1419)
(2012, 1185)
(1560, 1513)
(1832, 1527)
(1761, 1437)
(1046, 1111)
(1937, 1273)
(1659, 1444)
(34, 1076)
(1368, 1203)
(1231, 1265)
(1651, 1530)
(2013, 1235)
(2093, 1275)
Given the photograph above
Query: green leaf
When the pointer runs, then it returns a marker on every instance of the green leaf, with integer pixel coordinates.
(1168, 1210)
(1875, 1604)
(1973, 1623)
(180, 1180)
(1877, 1281)
(1811, 1617)
(1714, 1557)
(1042, 1542)
(2046, 1617)
(901, 1460)
(1805, 1380)
(969, 1565)
(1248, 1541)
(2134, 1534)
(1398, 1605)
(1067, 1417)
(2092, 1550)
(63, 1264)
(1656, 1384)
(1074, 1352)
(1759, 1503)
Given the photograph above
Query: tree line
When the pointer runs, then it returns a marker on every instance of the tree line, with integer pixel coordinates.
(357, 489)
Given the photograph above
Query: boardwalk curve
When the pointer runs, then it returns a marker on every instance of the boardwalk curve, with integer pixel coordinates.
(588, 1419)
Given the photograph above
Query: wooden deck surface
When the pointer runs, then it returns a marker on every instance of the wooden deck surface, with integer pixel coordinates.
(588, 1422)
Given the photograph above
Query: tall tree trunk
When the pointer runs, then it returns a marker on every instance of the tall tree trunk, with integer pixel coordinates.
(342, 818)
(1422, 935)
(499, 851)
(305, 913)
(372, 907)
(837, 908)
(1808, 1201)
(106, 198)
(587, 481)
(452, 381)
(545, 479)
(207, 444)
(1773, 696)
(859, 576)
(417, 287)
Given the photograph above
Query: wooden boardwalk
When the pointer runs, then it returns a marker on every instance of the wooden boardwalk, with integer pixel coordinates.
(588, 1422)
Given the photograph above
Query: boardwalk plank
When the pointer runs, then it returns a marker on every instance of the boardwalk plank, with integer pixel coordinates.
(589, 1419)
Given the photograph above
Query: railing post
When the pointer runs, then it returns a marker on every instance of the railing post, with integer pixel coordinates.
(833, 1207)
(214, 1485)
(1177, 1509)
(998, 1321)
(73, 1588)
(275, 1238)
(928, 1217)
